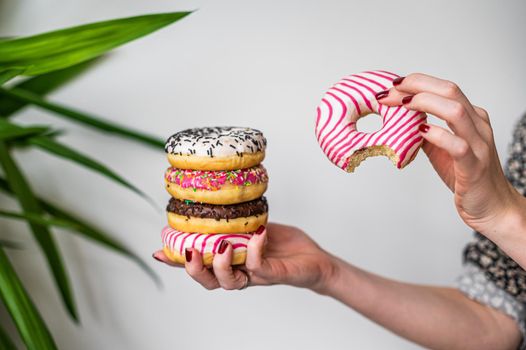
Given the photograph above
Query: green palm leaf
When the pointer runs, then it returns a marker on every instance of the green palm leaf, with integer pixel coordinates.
(98, 236)
(39, 219)
(9, 73)
(7, 134)
(63, 48)
(31, 327)
(80, 117)
(64, 151)
(20, 187)
(60, 218)
(61, 150)
(42, 85)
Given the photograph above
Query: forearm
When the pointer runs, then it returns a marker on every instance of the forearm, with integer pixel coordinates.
(437, 318)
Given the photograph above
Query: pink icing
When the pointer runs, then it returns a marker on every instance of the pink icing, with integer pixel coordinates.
(214, 180)
(352, 98)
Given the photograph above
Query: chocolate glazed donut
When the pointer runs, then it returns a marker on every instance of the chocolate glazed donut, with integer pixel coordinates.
(188, 216)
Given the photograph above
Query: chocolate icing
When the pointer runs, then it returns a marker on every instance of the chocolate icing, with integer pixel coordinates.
(232, 211)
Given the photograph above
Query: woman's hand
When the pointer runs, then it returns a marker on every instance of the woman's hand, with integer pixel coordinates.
(464, 155)
(414, 312)
(278, 255)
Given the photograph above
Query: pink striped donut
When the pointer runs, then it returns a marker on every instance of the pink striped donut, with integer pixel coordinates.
(175, 242)
(352, 98)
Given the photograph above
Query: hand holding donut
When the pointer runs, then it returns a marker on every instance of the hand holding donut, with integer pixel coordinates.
(464, 156)
(290, 257)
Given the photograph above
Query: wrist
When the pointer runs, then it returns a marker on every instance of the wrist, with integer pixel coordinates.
(330, 276)
(512, 221)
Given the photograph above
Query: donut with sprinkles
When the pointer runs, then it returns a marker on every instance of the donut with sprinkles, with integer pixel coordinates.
(217, 187)
(352, 98)
(216, 148)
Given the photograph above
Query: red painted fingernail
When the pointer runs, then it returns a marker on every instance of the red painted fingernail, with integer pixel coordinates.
(188, 255)
(382, 94)
(398, 81)
(423, 128)
(156, 258)
(260, 230)
(407, 99)
(222, 247)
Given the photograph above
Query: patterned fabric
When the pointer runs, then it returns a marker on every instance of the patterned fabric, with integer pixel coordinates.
(498, 267)
(490, 276)
(474, 283)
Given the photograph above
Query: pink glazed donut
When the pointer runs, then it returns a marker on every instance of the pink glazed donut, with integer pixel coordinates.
(352, 98)
(175, 242)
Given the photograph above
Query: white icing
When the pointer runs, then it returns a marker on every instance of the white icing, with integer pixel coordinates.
(354, 97)
(216, 142)
(178, 241)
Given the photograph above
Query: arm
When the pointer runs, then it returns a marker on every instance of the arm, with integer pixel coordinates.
(435, 317)
(439, 318)
(465, 157)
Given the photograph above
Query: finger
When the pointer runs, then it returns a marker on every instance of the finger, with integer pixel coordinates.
(227, 277)
(417, 82)
(441, 161)
(482, 113)
(255, 247)
(455, 146)
(448, 110)
(200, 273)
(391, 97)
(161, 257)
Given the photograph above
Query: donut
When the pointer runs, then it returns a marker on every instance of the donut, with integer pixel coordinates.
(216, 148)
(188, 216)
(217, 187)
(352, 98)
(175, 242)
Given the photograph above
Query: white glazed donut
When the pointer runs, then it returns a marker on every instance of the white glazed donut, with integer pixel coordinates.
(352, 98)
(175, 242)
(216, 148)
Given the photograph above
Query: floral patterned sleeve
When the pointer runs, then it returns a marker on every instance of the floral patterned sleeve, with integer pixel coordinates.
(489, 275)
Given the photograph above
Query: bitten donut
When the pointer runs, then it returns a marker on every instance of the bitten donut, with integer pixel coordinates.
(175, 242)
(188, 216)
(216, 148)
(352, 98)
(217, 187)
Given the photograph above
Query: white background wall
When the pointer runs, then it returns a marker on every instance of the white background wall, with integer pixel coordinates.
(263, 64)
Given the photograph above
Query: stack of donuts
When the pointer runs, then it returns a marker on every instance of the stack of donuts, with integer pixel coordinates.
(217, 182)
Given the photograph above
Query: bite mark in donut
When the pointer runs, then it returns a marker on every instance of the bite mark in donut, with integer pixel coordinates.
(352, 98)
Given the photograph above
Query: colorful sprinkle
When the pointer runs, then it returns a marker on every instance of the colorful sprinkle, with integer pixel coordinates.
(214, 180)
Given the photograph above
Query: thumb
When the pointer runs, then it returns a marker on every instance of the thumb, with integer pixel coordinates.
(255, 248)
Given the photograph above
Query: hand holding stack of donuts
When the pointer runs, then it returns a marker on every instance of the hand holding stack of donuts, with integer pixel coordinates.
(217, 185)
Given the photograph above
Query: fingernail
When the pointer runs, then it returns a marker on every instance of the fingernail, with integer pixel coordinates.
(222, 246)
(260, 230)
(188, 255)
(407, 99)
(398, 81)
(423, 128)
(382, 94)
(156, 258)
